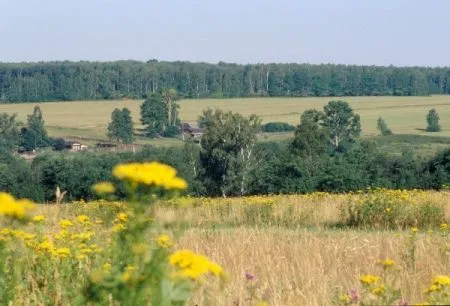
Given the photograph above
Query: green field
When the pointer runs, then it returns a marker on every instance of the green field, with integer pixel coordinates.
(88, 119)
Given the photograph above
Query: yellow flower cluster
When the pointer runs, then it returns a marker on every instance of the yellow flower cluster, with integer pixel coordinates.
(150, 174)
(387, 263)
(39, 218)
(13, 208)
(194, 266)
(439, 282)
(65, 223)
(103, 188)
(369, 279)
(164, 241)
(83, 219)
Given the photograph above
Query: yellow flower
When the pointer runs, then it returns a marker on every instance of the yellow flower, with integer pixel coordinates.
(38, 218)
(118, 227)
(81, 257)
(441, 280)
(151, 174)
(414, 230)
(194, 266)
(65, 223)
(369, 279)
(103, 188)
(13, 208)
(107, 267)
(380, 290)
(82, 219)
(261, 303)
(122, 217)
(433, 288)
(62, 252)
(345, 298)
(45, 246)
(164, 241)
(443, 226)
(126, 276)
(387, 263)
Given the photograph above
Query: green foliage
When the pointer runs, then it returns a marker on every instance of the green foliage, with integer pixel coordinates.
(120, 128)
(17, 178)
(380, 209)
(55, 81)
(278, 127)
(171, 131)
(159, 113)
(343, 125)
(34, 135)
(153, 115)
(433, 121)
(312, 116)
(59, 144)
(309, 140)
(383, 128)
(227, 156)
(9, 132)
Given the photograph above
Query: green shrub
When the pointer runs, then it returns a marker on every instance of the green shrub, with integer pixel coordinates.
(278, 127)
(390, 209)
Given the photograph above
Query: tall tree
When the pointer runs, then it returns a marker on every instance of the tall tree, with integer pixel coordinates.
(341, 122)
(34, 135)
(433, 121)
(154, 115)
(170, 97)
(226, 155)
(9, 132)
(120, 128)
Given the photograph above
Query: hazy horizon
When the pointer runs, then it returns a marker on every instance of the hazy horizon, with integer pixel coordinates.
(381, 33)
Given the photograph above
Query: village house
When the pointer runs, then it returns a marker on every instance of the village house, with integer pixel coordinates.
(193, 131)
(75, 146)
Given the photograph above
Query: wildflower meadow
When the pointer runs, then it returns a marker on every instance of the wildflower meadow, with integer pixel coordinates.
(158, 247)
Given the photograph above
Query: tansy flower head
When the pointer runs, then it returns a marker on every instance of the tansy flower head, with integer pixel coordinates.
(83, 219)
(38, 218)
(62, 252)
(122, 217)
(441, 280)
(103, 188)
(387, 263)
(414, 230)
(194, 266)
(150, 174)
(164, 241)
(13, 208)
(65, 223)
(369, 279)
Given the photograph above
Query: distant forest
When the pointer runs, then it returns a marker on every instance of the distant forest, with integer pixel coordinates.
(56, 81)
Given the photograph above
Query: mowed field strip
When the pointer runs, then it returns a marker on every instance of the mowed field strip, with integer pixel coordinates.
(404, 115)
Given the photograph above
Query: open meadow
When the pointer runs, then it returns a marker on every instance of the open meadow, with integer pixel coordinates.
(89, 119)
(274, 250)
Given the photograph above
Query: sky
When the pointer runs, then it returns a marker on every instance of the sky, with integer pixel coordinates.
(362, 32)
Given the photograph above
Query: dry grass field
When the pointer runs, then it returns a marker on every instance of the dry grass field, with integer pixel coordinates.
(283, 250)
(404, 115)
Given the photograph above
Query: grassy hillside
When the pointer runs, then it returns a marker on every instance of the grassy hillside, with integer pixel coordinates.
(404, 115)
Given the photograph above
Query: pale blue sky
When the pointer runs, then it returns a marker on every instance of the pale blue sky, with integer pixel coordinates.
(379, 32)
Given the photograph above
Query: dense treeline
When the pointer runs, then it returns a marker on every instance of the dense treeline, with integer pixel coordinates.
(54, 81)
(279, 171)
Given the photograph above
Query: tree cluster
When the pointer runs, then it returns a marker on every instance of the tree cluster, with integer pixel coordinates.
(159, 114)
(56, 81)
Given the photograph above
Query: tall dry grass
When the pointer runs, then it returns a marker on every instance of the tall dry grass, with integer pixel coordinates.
(296, 247)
